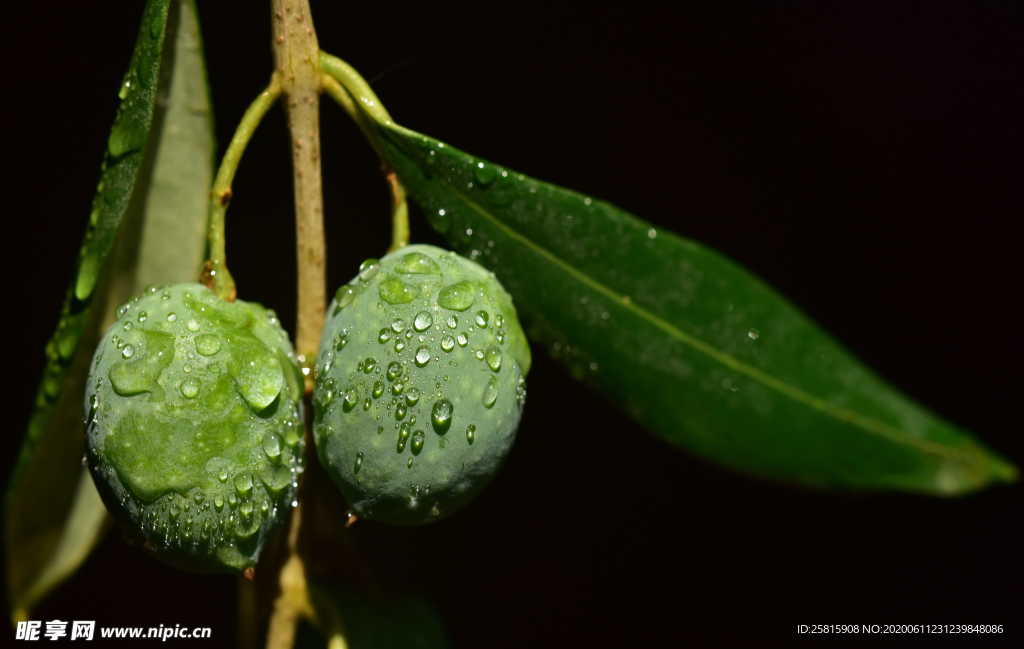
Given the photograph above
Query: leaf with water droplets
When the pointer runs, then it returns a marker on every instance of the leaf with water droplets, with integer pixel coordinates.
(146, 226)
(684, 340)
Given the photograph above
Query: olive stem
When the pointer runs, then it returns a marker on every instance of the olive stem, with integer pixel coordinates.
(297, 61)
(215, 271)
(356, 89)
(297, 66)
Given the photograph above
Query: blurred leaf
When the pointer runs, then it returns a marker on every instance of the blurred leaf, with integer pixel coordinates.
(684, 340)
(376, 622)
(146, 226)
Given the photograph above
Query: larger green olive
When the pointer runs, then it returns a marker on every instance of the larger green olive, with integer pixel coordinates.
(194, 425)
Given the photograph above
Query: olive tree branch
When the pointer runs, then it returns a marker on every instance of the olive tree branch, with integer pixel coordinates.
(297, 66)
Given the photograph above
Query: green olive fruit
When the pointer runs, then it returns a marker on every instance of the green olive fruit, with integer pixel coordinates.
(194, 425)
(419, 385)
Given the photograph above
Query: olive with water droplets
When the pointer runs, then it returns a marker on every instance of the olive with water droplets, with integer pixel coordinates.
(441, 334)
(194, 425)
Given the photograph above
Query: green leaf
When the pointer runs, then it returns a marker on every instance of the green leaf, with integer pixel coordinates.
(377, 621)
(146, 226)
(684, 340)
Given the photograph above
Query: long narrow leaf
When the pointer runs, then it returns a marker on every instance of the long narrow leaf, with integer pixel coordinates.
(146, 227)
(684, 340)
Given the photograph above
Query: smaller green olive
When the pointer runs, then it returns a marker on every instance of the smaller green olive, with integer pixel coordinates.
(420, 385)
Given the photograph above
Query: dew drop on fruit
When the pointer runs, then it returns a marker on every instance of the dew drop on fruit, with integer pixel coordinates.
(493, 356)
(272, 447)
(441, 416)
(394, 291)
(423, 321)
(243, 484)
(207, 344)
(416, 263)
(189, 388)
(490, 392)
(457, 297)
(422, 356)
(416, 445)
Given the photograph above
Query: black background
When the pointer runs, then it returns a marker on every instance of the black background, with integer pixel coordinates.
(863, 158)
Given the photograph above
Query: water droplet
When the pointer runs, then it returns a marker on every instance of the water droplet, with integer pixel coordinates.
(423, 321)
(378, 389)
(470, 433)
(652, 233)
(403, 437)
(192, 325)
(400, 411)
(207, 344)
(368, 269)
(499, 321)
(369, 365)
(412, 396)
(493, 358)
(123, 140)
(172, 317)
(462, 339)
(394, 370)
(142, 316)
(88, 272)
(397, 388)
(127, 352)
(272, 446)
(447, 343)
(340, 341)
(399, 346)
(452, 321)
(441, 416)
(350, 401)
(490, 392)
(417, 442)
(417, 263)
(481, 319)
(485, 173)
(189, 388)
(218, 502)
(243, 484)
(344, 296)
(359, 462)
(383, 336)
(422, 356)
(753, 334)
(398, 325)
(457, 297)
(394, 291)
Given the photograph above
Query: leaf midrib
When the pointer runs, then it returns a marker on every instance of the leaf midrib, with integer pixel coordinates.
(868, 424)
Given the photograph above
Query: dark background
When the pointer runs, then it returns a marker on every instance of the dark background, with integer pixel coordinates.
(863, 158)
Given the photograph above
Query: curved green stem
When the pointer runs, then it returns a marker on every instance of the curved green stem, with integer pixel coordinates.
(215, 272)
(356, 86)
(353, 94)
